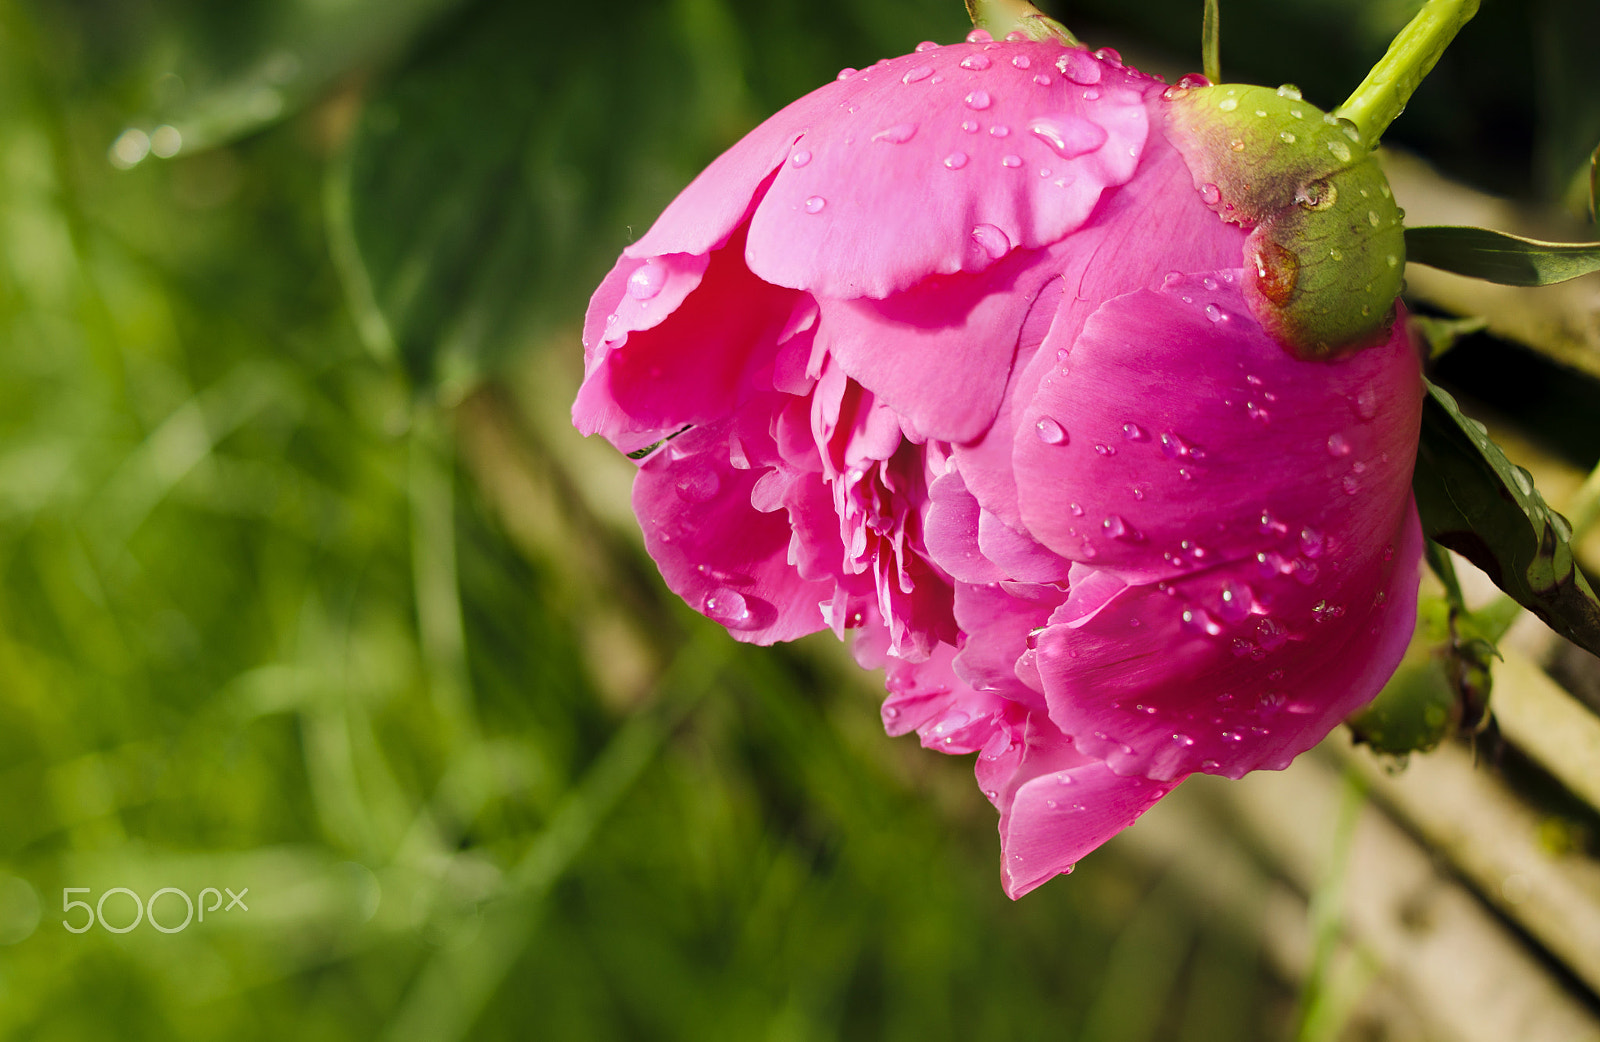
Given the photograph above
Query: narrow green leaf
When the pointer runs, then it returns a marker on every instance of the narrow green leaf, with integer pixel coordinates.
(1476, 502)
(1211, 43)
(1510, 260)
(1594, 184)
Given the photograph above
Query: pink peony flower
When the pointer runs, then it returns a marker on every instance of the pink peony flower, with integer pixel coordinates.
(955, 353)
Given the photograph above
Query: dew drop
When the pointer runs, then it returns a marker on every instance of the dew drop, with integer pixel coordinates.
(800, 158)
(1228, 104)
(730, 609)
(898, 134)
(815, 204)
(1340, 150)
(1338, 445)
(1075, 509)
(1183, 740)
(1215, 313)
(991, 240)
(969, 126)
(1043, 79)
(926, 45)
(999, 130)
(647, 280)
(1105, 450)
(1237, 601)
(1320, 194)
(979, 100)
(1134, 432)
(1350, 485)
(1110, 56)
(1011, 161)
(1021, 61)
(698, 486)
(955, 160)
(1311, 542)
(1067, 135)
(1050, 432)
(979, 36)
(976, 62)
(920, 73)
(1117, 528)
(1210, 194)
(1277, 271)
(846, 73)
(1286, 137)
(1200, 621)
(1077, 66)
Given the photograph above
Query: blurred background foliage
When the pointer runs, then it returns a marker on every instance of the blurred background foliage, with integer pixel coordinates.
(305, 587)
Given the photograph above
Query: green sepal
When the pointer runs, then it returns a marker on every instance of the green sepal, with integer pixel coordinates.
(1510, 260)
(1476, 502)
(1326, 251)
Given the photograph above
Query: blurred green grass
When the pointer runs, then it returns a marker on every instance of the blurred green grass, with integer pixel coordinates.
(260, 627)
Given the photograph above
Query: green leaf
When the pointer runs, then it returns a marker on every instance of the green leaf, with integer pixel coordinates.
(1510, 260)
(1476, 502)
(496, 175)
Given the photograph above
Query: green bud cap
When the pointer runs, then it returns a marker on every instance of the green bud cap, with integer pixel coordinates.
(1326, 250)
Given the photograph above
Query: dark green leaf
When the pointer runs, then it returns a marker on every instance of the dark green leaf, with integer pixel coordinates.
(1476, 502)
(1511, 260)
(496, 176)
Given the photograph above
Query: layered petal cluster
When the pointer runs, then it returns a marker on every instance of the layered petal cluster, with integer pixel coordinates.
(953, 353)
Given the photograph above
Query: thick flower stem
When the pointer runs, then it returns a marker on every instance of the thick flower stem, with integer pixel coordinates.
(1383, 94)
(1001, 17)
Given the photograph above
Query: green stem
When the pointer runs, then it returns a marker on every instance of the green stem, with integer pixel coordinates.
(1583, 509)
(1383, 94)
(1002, 17)
(1211, 43)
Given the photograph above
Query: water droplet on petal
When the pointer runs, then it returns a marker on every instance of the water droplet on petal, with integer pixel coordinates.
(993, 241)
(730, 609)
(1350, 485)
(647, 280)
(1338, 445)
(955, 160)
(1043, 79)
(1134, 432)
(1110, 56)
(1238, 600)
(1021, 61)
(1067, 135)
(1210, 194)
(1077, 66)
(1050, 432)
(1117, 528)
(698, 486)
(815, 204)
(1183, 740)
(1075, 509)
(979, 100)
(846, 73)
(916, 75)
(1105, 450)
(898, 134)
(999, 130)
(800, 158)
(976, 62)
(979, 36)
(1200, 621)
(926, 45)
(1215, 313)
(1290, 91)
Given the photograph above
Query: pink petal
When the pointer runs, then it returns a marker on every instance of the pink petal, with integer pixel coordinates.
(1237, 667)
(951, 532)
(999, 620)
(947, 714)
(1194, 438)
(895, 188)
(726, 559)
(1061, 805)
(681, 357)
(1106, 258)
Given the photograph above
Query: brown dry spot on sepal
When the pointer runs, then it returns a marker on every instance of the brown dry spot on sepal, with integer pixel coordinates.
(1327, 250)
